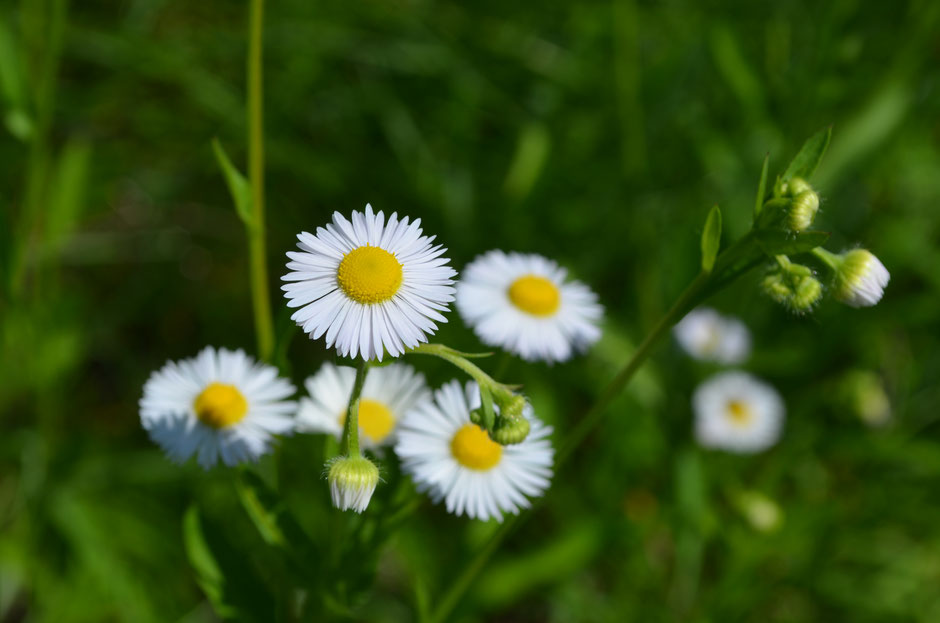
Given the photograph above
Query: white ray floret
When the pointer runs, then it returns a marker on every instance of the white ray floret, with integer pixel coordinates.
(455, 460)
(387, 394)
(523, 304)
(736, 412)
(220, 404)
(368, 286)
(707, 335)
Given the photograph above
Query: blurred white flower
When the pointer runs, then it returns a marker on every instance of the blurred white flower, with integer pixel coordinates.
(456, 461)
(736, 412)
(369, 286)
(387, 394)
(219, 404)
(707, 335)
(523, 304)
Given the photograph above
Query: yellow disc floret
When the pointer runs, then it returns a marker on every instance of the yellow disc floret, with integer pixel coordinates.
(369, 275)
(220, 405)
(535, 295)
(375, 420)
(739, 412)
(473, 448)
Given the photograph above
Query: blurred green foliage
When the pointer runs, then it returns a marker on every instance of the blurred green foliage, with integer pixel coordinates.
(596, 133)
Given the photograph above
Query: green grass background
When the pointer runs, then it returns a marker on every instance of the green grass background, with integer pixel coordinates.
(598, 134)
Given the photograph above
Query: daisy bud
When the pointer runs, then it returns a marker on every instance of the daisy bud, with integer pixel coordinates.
(802, 210)
(352, 482)
(510, 431)
(795, 287)
(860, 278)
(760, 511)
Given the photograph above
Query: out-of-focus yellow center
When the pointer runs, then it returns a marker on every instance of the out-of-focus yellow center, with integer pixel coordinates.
(739, 413)
(369, 275)
(220, 405)
(473, 448)
(375, 420)
(535, 295)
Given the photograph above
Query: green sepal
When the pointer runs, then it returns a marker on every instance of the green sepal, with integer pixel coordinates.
(809, 156)
(711, 239)
(238, 186)
(489, 415)
(775, 242)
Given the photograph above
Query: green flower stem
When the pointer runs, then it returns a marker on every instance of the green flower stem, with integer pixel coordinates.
(455, 358)
(828, 258)
(686, 301)
(261, 302)
(350, 444)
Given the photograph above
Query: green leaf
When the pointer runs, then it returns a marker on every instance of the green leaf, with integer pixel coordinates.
(711, 239)
(209, 574)
(761, 187)
(275, 523)
(238, 186)
(776, 242)
(226, 573)
(67, 193)
(806, 161)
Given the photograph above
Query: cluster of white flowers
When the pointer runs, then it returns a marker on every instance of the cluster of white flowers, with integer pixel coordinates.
(734, 411)
(373, 288)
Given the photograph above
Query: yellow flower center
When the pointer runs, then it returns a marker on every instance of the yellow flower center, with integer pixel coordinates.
(473, 448)
(739, 413)
(535, 295)
(375, 420)
(369, 275)
(220, 405)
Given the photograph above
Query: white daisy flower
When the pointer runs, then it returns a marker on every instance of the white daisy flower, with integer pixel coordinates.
(219, 404)
(387, 394)
(523, 304)
(707, 335)
(455, 460)
(369, 286)
(736, 412)
(860, 279)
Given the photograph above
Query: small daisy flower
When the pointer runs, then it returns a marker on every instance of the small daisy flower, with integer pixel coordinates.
(456, 461)
(736, 412)
(523, 304)
(861, 279)
(707, 335)
(369, 286)
(387, 394)
(219, 404)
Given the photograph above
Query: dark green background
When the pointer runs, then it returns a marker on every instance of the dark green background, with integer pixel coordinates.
(598, 134)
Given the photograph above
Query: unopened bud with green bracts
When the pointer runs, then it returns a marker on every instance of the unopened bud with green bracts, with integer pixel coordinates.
(793, 285)
(860, 277)
(352, 482)
(794, 209)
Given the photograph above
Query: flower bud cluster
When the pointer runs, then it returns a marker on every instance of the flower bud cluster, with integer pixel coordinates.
(793, 285)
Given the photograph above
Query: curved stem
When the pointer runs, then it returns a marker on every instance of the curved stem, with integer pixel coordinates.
(350, 444)
(828, 258)
(453, 357)
(261, 302)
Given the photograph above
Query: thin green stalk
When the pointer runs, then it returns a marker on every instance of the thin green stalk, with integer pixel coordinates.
(590, 420)
(39, 148)
(828, 258)
(350, 444)
(260, 299)
(449, 355)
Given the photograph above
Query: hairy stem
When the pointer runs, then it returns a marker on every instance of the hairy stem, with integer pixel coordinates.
(350, 443)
